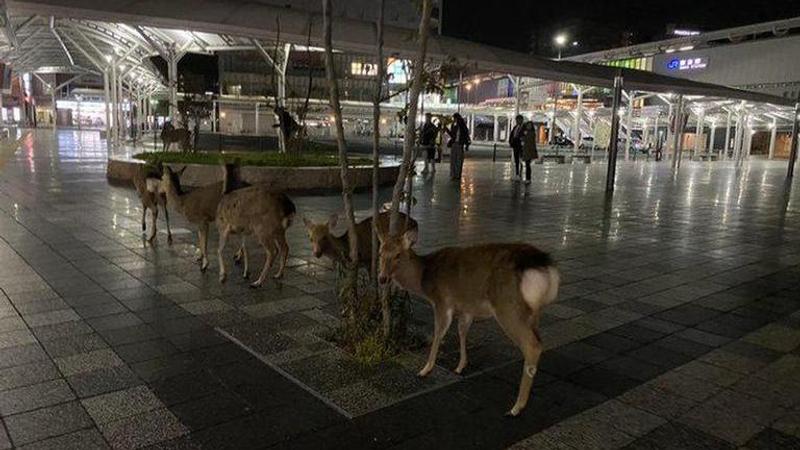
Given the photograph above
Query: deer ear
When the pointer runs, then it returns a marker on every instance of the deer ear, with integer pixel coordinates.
(409, 239)
(333, 220)
(180, 172)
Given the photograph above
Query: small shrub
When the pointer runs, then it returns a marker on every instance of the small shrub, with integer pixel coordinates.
(261, 159)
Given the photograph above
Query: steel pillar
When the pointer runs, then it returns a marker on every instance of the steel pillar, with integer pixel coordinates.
(614, 135)
(712, 138)
(772, 137)
(677, 136)
(629, 125)
(55, 112)
(793, 145)
(106, 99)
(576, 133)
(257, 124)
(727, 143)
(699, 133)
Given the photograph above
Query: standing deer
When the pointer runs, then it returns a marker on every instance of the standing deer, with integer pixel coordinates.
(198, 206)
(148, 186)
(337, 248)
(257, 211)
(180, 135)
(511, 282)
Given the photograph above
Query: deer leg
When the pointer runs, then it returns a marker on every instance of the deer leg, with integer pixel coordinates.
(144, 220)
(441, 322)
(223, 238)
(154, 213)
(203, 246)
(464, 322)
(270, 257)
(166, 216)
(518, 328)
(242, 252)
(283, 251)
(237, 257)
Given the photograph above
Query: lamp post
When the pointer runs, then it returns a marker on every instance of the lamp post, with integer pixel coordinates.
(560, 40)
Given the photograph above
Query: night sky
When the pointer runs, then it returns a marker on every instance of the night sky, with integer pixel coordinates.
(529, 25)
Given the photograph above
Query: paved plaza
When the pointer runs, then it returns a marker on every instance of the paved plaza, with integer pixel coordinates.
(677, 325)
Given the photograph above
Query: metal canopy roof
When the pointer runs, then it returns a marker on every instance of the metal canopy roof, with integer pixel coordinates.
(220, 20)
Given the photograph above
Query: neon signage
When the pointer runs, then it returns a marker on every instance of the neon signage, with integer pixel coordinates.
(687, 63)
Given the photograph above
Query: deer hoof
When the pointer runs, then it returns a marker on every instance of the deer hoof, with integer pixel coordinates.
(424, 372)
(460, 369)
(512, 413)
(198, 258)
(255, 285)
(223, 278)
(245, 275)
(277, 276)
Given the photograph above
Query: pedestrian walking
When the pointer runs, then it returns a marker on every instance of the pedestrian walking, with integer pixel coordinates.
(529, 152)
(515, 141)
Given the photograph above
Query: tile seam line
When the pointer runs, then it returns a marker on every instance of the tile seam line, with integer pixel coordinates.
(284, 373)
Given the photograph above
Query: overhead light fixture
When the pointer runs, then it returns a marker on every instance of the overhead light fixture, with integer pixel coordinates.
(686, 48)
(669, 50)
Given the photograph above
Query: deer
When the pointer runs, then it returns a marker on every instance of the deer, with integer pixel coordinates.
(148, 186)
(180, 135)
(337, 248)
(198, 206)
(510, 282)
(257, 211)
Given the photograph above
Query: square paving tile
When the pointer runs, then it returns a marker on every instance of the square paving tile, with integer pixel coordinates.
(89, 439)
(34, 396)
(142, 430)
(101, 381)
(87, 362)
(120, 404)
(47, 422)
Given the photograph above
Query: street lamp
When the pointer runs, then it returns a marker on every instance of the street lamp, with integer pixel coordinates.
(561, 41)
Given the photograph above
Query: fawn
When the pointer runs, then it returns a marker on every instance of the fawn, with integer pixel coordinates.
(337, 248)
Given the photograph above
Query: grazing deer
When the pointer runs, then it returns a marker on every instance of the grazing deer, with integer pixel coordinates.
(180, 135)
(198, 206)
(257, 211)
(148, 186)
(337, 248)
(511, 282)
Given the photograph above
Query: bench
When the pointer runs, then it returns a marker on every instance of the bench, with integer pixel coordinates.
(707, 157)
(552, 157)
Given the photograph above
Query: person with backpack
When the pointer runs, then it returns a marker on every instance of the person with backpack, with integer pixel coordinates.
(515, 141)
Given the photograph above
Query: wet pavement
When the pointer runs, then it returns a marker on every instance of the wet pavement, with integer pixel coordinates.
(677, 325)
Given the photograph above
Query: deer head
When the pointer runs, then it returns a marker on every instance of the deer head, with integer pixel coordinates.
(395, 254)
(320, 234)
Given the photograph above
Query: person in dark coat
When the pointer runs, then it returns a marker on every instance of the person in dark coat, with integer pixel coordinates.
(427, 139)
(529, 152)
(515, 141)
(459, 141)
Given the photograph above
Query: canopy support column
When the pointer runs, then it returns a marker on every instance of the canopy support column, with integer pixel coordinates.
(712, 138)
(614, 135)
(700, 136)
(793, 145)
(677, 136)
(629, 125)
(576, 133)
(772, 137)
(106, 99)
(257, 121)
(727, 144)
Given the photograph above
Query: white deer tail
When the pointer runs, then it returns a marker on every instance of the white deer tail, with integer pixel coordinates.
(539, 286)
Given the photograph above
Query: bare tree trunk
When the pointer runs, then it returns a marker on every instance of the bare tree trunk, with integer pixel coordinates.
(333, 87)
(411, 118)
(376, 145)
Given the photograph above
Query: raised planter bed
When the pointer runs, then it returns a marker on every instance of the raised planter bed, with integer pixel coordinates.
(291, 179)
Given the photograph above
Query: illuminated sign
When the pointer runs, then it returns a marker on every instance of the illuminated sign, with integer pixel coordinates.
(685, 32)
(687, 63)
